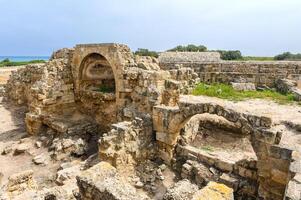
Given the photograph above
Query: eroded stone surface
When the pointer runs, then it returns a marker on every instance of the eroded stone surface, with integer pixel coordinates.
(102, 121)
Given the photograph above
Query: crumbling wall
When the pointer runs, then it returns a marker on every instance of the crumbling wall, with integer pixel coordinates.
(189, 57)
(45, 88)
(272, 166)
(128, 144)
(259, 73)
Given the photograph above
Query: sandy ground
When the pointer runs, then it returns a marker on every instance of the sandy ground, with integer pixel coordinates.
(12, 133)
(224, 145)
(5, 72)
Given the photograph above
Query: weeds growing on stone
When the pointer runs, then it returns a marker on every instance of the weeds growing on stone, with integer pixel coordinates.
(207, 148)
(105, 89)
(224, 91)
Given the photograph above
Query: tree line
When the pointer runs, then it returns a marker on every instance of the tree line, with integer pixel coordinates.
(225, 54)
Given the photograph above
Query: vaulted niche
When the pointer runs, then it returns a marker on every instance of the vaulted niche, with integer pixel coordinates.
(97, 74)
(216, 136)
(97, 96)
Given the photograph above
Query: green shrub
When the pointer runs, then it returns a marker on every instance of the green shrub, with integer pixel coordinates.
(230, 55)
(146, 52)
(7, 63)
(6, 60)
(189, 48)
(288, 56)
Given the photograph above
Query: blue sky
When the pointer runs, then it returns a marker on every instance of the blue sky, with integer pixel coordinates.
(256, 27)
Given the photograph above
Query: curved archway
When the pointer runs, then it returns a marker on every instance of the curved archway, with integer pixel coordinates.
(96, 74)
(97, 89)
(216, 137)
(213, 142)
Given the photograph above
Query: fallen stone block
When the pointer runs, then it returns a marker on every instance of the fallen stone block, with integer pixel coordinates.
(102, 182)
(214, 191)
(243, 86)
(182, 190)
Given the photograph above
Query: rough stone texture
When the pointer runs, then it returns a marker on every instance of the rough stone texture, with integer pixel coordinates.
(243, 86)
(127, 143)
(214, 191)
(259, 73)
(64, 53)
(134, 106)
(286, 86)
(272, 169)
(20, 182)
(101, 182)
(45, 88)
(182, 190)
(190, 57)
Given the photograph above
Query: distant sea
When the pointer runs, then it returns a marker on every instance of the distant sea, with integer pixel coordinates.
(24, 58)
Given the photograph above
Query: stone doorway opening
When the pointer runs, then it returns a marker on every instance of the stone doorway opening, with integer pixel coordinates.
(97, 74)
(97, 90)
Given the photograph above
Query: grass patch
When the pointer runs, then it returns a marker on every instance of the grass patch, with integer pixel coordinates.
(254, 58)
(207, 148)
(106, 89)
(8, 63)
(224, 91)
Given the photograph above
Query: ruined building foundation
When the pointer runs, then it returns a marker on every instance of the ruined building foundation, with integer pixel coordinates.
(101, 102)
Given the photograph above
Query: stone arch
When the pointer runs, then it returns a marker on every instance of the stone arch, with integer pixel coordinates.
(100, 67)
(215, 134)
(271, 161)
(95, 71)
(191, 126)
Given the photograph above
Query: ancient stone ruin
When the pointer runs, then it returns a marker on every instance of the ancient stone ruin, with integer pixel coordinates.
(97, 122)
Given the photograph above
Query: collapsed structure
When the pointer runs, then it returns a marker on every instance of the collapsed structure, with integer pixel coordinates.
(131, 109)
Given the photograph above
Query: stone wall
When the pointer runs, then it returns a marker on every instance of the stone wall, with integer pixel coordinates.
(128, 144)
(138, 83)
(260, 73)
(190, 57)
(273, 161)
(45, 88)
(143, 117)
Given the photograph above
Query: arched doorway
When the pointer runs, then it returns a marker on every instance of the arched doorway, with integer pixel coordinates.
(97, 89)
(96, 74)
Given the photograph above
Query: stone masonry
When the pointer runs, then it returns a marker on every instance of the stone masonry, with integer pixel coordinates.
(116, 111)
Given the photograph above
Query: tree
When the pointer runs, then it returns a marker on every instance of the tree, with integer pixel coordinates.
(230, 55)
(288, 56)
(189, 48)
(146, 52)
(6, 60)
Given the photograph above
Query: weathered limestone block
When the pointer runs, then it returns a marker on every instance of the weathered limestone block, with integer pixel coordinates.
(171, 94)
(127, 143)
(65, 53)
(230, 181)
(293, 190)
(182, 190)
(102, 182)
(147, 62)
(285, 85)
(190, 57)
(21, 182)
(243, 86)
(214, 191)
